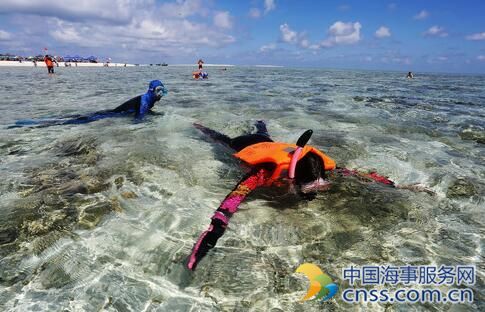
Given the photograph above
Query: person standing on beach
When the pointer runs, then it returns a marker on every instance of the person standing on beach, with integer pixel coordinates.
(49, 62)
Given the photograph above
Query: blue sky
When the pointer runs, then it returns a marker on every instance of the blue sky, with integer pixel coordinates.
(426, 35)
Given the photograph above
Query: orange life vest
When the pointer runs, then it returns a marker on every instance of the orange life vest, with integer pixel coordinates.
(280, 155)
(48, 61)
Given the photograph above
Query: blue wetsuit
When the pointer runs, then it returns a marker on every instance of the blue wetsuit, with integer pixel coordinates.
(139, 105)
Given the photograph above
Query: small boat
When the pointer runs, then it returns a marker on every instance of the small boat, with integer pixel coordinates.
(164, 64)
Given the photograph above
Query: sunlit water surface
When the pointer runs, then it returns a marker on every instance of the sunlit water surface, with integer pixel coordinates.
(102, 216)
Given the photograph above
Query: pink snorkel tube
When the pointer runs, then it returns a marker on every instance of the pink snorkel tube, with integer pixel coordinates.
(302, 141)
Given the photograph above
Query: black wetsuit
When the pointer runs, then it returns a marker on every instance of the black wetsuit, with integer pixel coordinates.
(240, 142)
(131, 106)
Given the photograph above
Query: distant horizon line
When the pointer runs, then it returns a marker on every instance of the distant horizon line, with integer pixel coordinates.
(269, 66)
(324, 68)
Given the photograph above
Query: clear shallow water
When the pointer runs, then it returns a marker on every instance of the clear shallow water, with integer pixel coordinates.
(101, 216)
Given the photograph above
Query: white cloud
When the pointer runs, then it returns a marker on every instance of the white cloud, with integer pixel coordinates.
(477, 36)
(437, 59)
(223, 20)
(421, 15)
(391, 6)
(342, 33)
(481, 57)
(403, 60)
(254, 13)
(267, 47)
(117, 11)
(304, 43)
(4, 35)
(269, 5)
(142, 27)
(436, 31)
(180, 8)
(68, 34)
(383, 32)
(293, 37)
(288, 35)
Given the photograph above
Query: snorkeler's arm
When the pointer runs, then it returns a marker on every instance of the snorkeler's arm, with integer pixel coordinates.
(220, 219)
(374, 176)
(371, 176)
(144, 107)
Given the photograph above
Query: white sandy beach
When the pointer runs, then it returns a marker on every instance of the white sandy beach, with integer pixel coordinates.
(61, 64)
(73, 64)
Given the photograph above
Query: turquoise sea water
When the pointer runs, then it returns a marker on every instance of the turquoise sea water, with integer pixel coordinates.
(100, 216)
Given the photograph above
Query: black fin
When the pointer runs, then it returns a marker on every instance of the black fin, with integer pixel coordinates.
(304, 138)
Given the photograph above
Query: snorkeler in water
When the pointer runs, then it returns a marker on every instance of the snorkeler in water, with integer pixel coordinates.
(200, 75)
(139, 106)
(302, 168)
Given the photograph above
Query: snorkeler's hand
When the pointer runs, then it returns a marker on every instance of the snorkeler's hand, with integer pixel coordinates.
(206, 241)
(153, 113)
(417, 188)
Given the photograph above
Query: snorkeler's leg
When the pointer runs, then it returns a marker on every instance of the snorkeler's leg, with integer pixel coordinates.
(261, 128)
(38, 123)
(91, 117)
(238, 143)
(243, 141)
(216, 136)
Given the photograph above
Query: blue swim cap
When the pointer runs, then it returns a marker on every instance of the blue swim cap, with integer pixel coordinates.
(153, 84)
(157, 87)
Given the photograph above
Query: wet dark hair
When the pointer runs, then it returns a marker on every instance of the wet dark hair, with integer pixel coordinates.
(309, 169)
